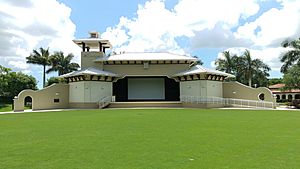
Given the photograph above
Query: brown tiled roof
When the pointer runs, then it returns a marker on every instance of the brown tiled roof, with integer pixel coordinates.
(276, 89)
(277, 86)
(285, 91)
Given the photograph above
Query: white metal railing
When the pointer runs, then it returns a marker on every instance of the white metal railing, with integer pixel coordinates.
(226, 101)
(104, 101)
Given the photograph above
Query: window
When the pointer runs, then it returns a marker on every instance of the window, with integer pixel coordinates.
(56, 100)
(261, 96)
(290, 97)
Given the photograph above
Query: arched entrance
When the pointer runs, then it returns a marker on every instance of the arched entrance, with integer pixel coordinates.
(27, 103)
(277, 97)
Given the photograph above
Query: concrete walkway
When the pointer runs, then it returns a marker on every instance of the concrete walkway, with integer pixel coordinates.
(35, 111)
(225, 108)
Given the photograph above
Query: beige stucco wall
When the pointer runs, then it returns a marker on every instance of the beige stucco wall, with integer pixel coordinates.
(193, 88)
(76, 91)
(201, 88)
(239, 91)
(153, 70)
(89, 92)
(88, 59)
(44, 98)
(214, 88)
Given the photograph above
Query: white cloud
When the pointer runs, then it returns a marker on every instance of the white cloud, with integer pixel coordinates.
(152, 29)
(274, 25)
(31, 24)
(19, 64)
(156, 28)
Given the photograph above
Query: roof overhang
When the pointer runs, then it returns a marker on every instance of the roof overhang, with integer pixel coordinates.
(89, 71)
(93, 42)
(152, 58)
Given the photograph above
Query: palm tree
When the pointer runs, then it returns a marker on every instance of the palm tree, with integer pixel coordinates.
(198, 62)
(40, 57)
(226, 64)
(62, 63)
(292, 56)
(253, 67)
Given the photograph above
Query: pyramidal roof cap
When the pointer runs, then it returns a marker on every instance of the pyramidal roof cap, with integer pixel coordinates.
(198, 69)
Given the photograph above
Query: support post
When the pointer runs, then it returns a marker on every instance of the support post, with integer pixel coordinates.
(83, 47)
(100, 47)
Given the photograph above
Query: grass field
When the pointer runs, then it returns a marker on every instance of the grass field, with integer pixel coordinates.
(5, 107)
(8, 107)
(151, 138)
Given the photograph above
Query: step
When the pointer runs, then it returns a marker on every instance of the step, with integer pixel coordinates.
(156, 104)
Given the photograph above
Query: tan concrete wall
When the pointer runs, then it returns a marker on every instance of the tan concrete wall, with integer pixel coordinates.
(89, 91)
(202, 105)
(153, 70)
(239, 91)
(144, 104)
(84, 105)
(88, 59)
(44, 98)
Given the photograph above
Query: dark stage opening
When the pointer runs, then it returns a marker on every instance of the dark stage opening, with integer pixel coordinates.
(146, 89)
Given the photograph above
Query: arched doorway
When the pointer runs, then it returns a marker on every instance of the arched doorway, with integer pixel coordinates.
(27, 103)
(277, 97)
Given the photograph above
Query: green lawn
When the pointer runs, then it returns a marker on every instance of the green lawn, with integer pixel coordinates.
(5, 107)
(151, 139)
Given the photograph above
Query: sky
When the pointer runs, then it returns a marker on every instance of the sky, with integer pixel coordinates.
(202, 28)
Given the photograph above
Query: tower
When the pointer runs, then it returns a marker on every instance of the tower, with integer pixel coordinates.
(93, 48)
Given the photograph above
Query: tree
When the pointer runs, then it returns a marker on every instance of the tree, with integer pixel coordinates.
(254, 68)
(291, 78)
(18, 81)
(292, 56)
(273, 81)
(248, 64)
(4, 70)
(62, 64)
(53, 80)
(198, 62)
(3, 79)
(244, 68)
(12, 83)
(227, 64)
(40, 57)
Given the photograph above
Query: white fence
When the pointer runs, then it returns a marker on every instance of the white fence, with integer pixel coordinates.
(226, 102)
